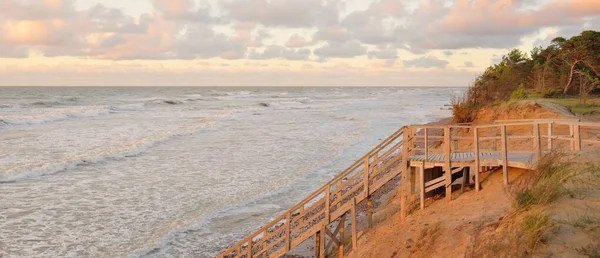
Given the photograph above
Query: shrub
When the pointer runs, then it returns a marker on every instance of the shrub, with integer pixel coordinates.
(519, 93)
(547, 184)
(552, 93)
(463, 110)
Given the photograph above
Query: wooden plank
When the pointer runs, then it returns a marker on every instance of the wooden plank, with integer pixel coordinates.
(456, 170)
(448, 164)
(269, 247)
(353, 218)
(366, 175)
(348, 193)
(305, 235)
(435, 181)
(345, 207)
(322, 240)
(577, 137)
(307, 221)
(476, 156)
(332, 237)
(405, 180)
(370, 211)
(436, 186)
(590, 141)
(312, 208)
(342, 232)
(426, 144)
(288, 220)
(537, 144)
(422, 185)
(550, 135)
(504, 154)
(318, 243)
(327, 201)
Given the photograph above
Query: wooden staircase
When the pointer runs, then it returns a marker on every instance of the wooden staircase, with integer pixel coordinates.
(321, 217)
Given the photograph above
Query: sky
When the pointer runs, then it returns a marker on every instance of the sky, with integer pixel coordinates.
(273, 42)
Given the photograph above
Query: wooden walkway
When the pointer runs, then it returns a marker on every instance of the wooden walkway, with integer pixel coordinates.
(422, 156)
(521, 160)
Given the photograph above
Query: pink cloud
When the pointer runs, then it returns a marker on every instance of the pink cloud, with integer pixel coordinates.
(297, 41)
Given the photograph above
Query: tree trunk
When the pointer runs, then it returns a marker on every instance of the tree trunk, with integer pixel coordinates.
(570, 81)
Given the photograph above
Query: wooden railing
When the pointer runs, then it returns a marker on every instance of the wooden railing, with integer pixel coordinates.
(339, 197)
(508, 143)
(329, 203)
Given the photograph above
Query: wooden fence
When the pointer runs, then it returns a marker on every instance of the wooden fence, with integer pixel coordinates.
(445, 146)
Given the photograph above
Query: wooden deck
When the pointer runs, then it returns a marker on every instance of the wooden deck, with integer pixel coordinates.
(519, 160)
(426, 158)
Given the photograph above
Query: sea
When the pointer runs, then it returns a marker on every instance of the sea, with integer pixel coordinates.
(178, 171)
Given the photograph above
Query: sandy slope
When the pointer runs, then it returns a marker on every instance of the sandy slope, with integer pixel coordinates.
(450, 229)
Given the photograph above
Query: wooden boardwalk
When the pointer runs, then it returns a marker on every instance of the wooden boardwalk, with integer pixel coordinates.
(427, 158)
(525, 160)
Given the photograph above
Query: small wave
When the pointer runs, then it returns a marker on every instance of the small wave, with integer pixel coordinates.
(132, 149)
(164, 102)
(264, 104)
(52, 115)
(173, 102)
(46, 103)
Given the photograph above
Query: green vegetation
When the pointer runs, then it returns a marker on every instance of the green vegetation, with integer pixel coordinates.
(547, 183)
(566, 68)
(576, 106)
(530, 225)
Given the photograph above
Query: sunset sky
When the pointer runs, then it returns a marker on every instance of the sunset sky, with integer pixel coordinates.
(273, 42)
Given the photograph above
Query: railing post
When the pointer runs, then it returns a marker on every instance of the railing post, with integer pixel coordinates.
(288, 234)
(354, 230)
(342, 229)
(448, 162)
(422, 185)
(404, 167)
(318, 237)
(572, 136)
(550, 133)
(455, 136)
(476, 156)
(367, 194)
(322, 240)
(504, 154)
(249, 254)
(327, 202)
(366, 176)
(577, 137)
(537, 143)
(426, 144)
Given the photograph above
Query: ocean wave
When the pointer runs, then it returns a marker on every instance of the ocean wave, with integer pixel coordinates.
(132, 149)
(160, 101)
(51, 115)
(46, 103)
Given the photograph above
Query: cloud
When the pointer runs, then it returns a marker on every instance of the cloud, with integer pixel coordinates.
(426, 62)
(297, 41)
(347, 49)
(385, 53)
(285, 13)
(369, 33)
(279, 52)
(186, 10)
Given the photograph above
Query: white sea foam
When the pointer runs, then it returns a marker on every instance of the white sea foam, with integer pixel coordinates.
(133, 148)
(151, 179)
(45, 115)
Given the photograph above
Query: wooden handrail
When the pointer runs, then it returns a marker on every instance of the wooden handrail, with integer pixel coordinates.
(375, 164)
